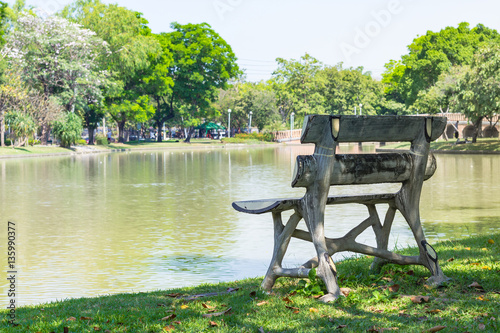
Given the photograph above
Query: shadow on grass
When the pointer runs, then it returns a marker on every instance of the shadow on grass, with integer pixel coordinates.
(457, 306)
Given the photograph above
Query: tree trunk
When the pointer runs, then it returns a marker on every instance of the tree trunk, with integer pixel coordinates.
(121, 126)
(91, 135)
(45, 134)
(190, 132)
(2, 130)
(478, 124)
(159, 126)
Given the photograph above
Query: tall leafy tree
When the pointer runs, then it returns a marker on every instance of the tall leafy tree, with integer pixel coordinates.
(158, 82)
(344, 89)
(132, 50)
(478, 94)
(245, 97)
(12, 93)
(3, 21)
(441, 96)
(202, 63)
(57, 57)
(24, 106)
(432, 54)
(297, 87)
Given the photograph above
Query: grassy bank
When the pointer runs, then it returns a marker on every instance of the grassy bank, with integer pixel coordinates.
(375, 303)
(32, 150)
(482, 145)
(37, 149)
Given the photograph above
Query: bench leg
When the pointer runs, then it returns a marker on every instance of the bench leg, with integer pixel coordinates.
(428, 257)
(314, 218)
(282, 235)
(382, 234)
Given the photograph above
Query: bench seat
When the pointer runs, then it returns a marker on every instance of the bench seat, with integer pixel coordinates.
(280, 205)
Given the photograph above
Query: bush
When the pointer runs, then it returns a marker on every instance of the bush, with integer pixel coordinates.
(81, 142)
(68, 129)
(268, 137)
(101, 140)
(33, 142)
(22, 124)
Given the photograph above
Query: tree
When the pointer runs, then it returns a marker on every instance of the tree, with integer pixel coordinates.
(23, 126)
(228, 99)
(68, 129)
(133, 49)
(56, 57)
(432, 54)
(12, 92)
(3, 21)
(297, 88)
(440, 97)
(158, 83)
(344, 89)
(479, 91)
(394, 71)
(259, 99)
(245, 97)
(136, 111)
(202, 63)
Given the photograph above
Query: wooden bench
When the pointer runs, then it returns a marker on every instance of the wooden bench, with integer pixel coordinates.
(318, 172)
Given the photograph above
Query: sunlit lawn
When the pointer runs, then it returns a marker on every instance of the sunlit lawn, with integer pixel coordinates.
(38, 149)
(480, 145)
(33, 150)
(375, 302)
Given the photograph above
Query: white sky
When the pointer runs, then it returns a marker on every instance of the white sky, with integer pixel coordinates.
(364, 33)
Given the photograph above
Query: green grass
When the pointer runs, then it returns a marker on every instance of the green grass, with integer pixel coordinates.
(480, 145)
(195, 143)
(33, 150)
(456, 306)
(245, 141)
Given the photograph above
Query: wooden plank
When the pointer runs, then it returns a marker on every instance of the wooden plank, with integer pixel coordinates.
(265, 205)
(347, 128)
(355, 169)
(280, 205)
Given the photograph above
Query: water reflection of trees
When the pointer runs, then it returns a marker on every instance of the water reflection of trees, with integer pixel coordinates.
(106, 222)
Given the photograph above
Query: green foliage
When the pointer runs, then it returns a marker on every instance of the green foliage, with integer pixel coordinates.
(245, 97)
(255, 136)
(101, 140)
(441, 97)
(132, 51)
(478, 94)
(202, 64)
(125, 32)
(57, 57)
(81, 142)
(296, 87)
(250, 138)
(22, 124)
(431, 55)
(68, 129)
(314, 286)
(344, 89)
(3, 21)
(33, 142)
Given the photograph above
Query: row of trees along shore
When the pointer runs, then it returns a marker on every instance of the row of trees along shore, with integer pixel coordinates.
(94, 61)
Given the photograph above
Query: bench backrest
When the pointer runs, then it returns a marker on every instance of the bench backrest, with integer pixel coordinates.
(346, 169)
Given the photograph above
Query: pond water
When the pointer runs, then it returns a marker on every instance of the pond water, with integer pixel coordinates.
(91, 225)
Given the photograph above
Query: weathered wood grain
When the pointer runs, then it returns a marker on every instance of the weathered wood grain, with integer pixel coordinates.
(355, 169)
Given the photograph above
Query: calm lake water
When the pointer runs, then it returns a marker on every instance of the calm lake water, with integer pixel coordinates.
(100, 224)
